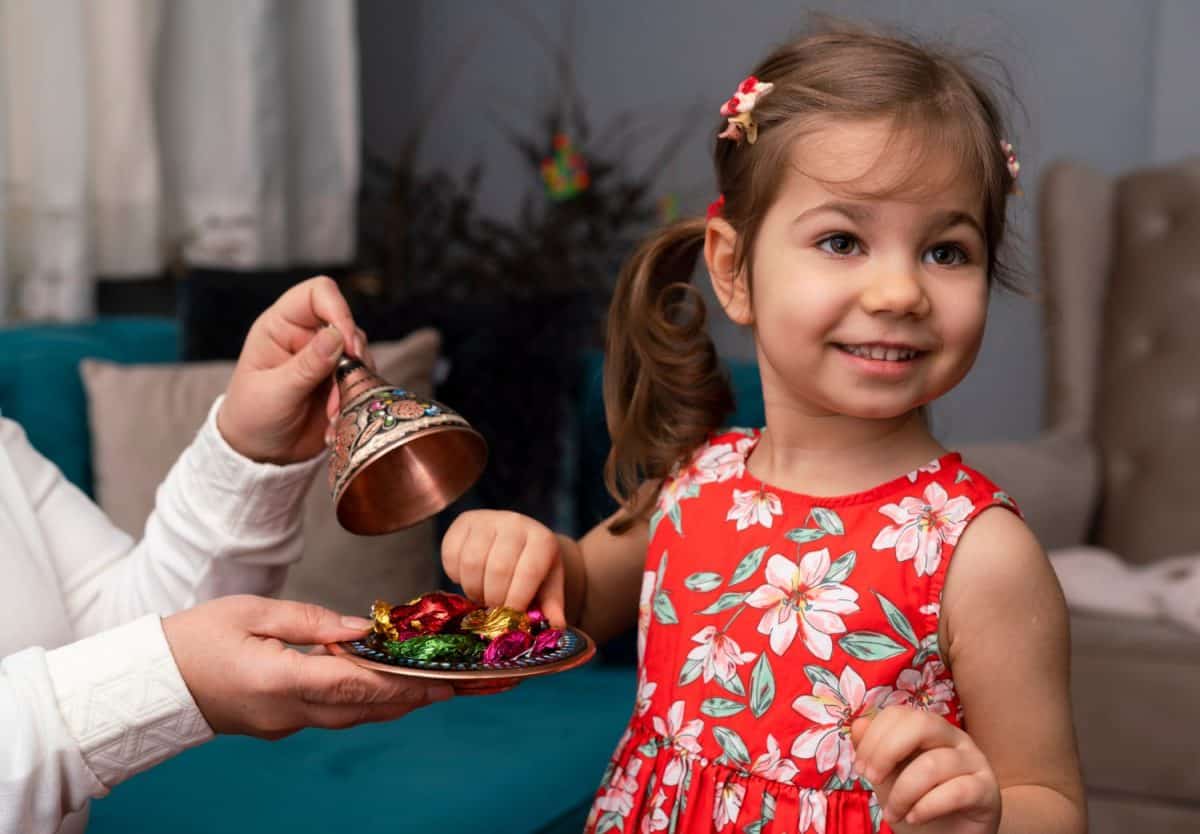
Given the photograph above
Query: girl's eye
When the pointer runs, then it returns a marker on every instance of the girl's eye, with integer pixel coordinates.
(946, 254)
(839, 245)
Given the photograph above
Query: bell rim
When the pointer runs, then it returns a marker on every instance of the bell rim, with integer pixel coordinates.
(383, 451)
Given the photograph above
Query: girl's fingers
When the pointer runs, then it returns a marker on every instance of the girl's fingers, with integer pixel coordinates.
(552, 596)
(473, 560)
(898, 734)
(500, 563)
(452, 544)
(537, 563)
(955, 796)
(922, 775)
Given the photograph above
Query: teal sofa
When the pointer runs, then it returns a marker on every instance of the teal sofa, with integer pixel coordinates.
(527, 760)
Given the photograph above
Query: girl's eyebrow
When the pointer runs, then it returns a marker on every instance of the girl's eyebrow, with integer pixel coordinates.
(853, 211)
(862, 213)
(943, 220)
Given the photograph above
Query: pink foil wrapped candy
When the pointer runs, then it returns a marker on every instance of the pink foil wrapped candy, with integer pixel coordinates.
(507, 646)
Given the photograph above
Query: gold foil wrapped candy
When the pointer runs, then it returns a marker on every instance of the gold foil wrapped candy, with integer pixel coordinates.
(490, 623)
(381, 616)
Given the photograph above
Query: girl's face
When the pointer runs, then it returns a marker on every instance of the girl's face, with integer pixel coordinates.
(864, 307)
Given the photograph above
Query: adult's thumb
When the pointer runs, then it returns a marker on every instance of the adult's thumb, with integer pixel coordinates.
(314, 364)
(305, 624)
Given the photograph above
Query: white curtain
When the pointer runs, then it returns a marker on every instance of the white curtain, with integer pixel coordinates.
(135, 130)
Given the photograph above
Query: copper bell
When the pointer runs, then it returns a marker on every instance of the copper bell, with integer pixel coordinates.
(397, 459)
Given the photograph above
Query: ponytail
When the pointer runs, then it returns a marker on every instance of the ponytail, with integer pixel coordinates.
(664, 388)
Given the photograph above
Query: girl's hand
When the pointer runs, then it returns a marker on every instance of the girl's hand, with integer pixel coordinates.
(928, 774)
(504, 558)
(232, 656)
(280, 400)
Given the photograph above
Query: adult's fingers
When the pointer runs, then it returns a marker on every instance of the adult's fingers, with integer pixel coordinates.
(337, 717)
(300, 623)
(316, 302)
(338, 682)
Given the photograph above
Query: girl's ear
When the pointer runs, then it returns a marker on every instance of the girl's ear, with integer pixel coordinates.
(729, 283)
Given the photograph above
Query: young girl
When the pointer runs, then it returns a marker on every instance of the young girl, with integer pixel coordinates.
(842, 627)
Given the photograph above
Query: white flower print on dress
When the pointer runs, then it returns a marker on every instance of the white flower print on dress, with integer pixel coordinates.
(796, 595)
(656, 818)
(644, 693)
(649, 582)
(675, 490)
(712, 463)
(924, 689)
(772, 765)
(833, 710)
(618, 796)
(814, 806)
(728, 803)
(922, 526)
(932, 467)
(719, 462)
(754, 506)
(719, 654)
(680, 737)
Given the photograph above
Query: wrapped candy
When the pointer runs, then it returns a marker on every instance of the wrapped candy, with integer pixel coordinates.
(490, 623)
(507, 646)
(442, 647)
(381, 617)
(432, 612)
(446, 627)
(547, 641)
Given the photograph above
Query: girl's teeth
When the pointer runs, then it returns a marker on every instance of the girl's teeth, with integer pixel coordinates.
(881, 353)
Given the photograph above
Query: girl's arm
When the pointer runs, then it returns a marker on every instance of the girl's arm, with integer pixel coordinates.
(1015, 768)
(603, 577)
(1006, 638)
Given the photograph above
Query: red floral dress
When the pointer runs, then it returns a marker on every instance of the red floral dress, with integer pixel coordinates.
(769, 621)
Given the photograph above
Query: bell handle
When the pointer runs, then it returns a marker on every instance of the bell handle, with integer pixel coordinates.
(347, 365)
(352, 377)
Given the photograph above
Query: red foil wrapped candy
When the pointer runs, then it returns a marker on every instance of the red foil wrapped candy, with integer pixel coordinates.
(431, 613)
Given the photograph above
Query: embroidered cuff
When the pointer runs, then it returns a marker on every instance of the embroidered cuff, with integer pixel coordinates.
(124, 701)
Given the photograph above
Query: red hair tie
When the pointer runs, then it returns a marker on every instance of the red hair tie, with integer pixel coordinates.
(716, 206)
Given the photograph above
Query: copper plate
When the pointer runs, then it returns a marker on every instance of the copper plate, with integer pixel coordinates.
(474, 678)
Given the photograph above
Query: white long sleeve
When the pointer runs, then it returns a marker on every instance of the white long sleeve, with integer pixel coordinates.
(80, 715)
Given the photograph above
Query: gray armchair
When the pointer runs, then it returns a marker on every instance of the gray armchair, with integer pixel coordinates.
(1118, 467)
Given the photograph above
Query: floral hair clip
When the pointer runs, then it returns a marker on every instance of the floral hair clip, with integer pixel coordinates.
(1014, 164)
(739, 110)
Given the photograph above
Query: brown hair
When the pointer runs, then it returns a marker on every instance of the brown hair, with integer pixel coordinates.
(664, 387)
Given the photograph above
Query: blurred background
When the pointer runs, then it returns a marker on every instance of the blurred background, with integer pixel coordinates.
(473, 174)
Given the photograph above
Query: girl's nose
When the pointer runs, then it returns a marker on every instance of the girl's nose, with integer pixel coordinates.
(895, 290)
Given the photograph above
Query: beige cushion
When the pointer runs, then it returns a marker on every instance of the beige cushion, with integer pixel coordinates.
(1135, 685)
(1123, 814)
(1054, 480)
(143, 416)
(1148, 395)
(1075, 211)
